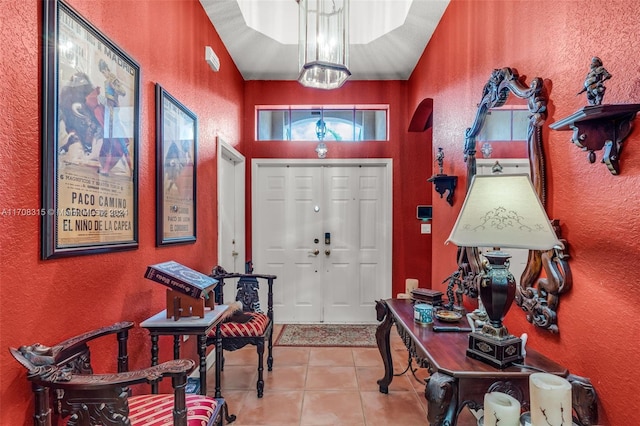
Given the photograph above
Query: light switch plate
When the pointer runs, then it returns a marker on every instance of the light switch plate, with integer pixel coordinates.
(425, 228)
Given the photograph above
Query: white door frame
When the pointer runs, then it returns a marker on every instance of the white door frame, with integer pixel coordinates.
(225, 150)
(384, 289)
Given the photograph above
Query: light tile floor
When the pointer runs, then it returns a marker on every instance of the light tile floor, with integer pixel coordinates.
(323, 386)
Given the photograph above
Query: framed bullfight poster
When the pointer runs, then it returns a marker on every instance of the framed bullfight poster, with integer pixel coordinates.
(176, 160)
(90, 138)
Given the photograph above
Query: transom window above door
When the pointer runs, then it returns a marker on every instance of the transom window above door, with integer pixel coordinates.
(343, 123)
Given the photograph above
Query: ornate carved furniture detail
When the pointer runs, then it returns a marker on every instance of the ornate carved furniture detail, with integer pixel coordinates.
(540, 302)
(65, 387)
(252, 326)
(457, 381)
(533, 294)
(599, 127)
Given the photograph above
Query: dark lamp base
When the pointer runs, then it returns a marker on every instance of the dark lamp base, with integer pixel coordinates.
(500, 353)
(496, 333)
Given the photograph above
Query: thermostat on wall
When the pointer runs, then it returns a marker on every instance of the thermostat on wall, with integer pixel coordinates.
(424, 212)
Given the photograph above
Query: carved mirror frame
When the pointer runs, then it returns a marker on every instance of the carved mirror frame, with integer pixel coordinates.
(537, 297)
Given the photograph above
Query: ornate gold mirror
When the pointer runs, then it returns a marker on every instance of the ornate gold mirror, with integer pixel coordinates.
(538, 297)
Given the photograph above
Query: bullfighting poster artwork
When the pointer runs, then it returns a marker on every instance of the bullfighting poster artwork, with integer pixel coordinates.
(177, 141)
(95, 138)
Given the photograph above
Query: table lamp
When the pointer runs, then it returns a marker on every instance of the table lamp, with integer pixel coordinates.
(501, 211)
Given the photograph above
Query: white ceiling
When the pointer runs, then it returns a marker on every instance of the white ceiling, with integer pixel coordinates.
(387, 36)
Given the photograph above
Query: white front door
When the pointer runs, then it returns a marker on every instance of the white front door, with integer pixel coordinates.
(325, 230)
(231, 217)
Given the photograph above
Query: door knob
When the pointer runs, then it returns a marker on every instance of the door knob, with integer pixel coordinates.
(327, 252)
(314, 252)
(234, 253)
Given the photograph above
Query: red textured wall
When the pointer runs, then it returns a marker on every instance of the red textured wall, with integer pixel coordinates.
(548, 38)
(411, 154)
(599, 212)
(48, 301)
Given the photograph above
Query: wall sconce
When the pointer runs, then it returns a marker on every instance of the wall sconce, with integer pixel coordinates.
(324, 43)
(443, 182)
(598, 127)
(500, 211)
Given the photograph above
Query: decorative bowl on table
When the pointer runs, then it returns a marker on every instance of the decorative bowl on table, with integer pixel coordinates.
(448, 316)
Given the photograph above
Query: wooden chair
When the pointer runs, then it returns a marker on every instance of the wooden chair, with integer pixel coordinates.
(251, 326)
(67, 392)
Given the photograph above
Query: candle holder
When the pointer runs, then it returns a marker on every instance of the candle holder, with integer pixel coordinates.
(525, 420)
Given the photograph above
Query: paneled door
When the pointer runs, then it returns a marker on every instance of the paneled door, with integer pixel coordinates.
(325, 230)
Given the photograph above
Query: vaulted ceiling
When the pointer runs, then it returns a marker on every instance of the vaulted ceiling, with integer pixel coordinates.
(387, 36)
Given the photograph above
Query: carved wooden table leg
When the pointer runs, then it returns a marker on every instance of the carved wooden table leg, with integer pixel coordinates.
(230, 418)
(382, 338)
(202, 353)
(442, 401)
(584, 400)
(154, 358)
(176, 346)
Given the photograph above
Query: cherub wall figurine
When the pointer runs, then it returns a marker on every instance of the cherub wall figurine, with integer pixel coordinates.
(594, 82)
(440, 160)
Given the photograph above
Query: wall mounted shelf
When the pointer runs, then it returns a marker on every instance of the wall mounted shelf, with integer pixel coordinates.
(445, 183)
(597, 127)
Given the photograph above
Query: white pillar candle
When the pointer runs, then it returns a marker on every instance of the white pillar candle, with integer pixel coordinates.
(501, 409)
(550, 400)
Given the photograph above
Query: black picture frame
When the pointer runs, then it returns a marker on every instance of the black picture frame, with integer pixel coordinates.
(176, 170)
(90, 136)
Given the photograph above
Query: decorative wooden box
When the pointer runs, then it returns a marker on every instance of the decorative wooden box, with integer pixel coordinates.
(427, 295)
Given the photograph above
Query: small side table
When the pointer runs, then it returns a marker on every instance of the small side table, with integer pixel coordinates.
(159, 325)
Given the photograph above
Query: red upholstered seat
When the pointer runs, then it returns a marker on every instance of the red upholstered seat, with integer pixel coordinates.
(66, 390)
(248, 325)
(157, 410)
(256, 326)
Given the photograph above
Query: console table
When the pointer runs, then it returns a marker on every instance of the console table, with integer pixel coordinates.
(457, 381)
(159, 325)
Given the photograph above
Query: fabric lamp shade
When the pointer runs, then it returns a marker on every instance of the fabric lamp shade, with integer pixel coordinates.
(503, 211)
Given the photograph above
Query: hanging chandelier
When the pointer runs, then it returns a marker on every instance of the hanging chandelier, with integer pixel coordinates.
(324, 43)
